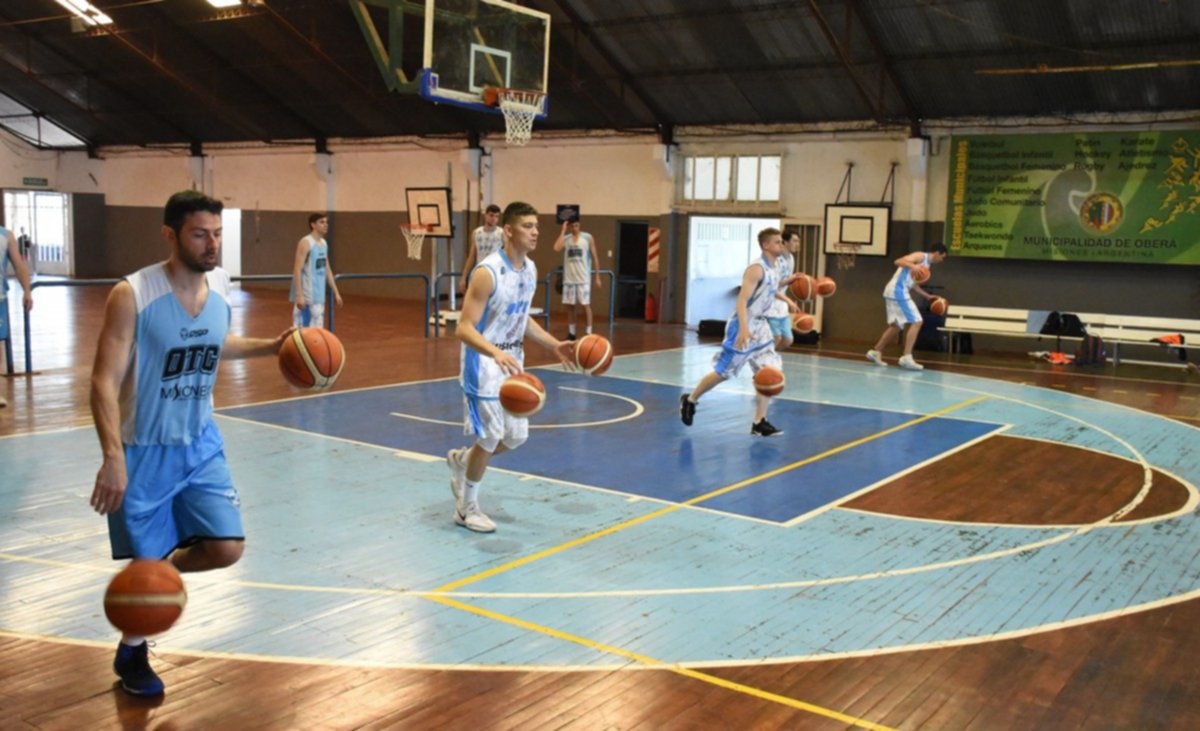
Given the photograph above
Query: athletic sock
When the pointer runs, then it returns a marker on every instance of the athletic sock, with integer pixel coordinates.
(471, 493)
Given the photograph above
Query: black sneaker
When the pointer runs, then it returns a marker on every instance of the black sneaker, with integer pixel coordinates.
(570, 336)
(765, 428)
(132, 665)
(687, 409)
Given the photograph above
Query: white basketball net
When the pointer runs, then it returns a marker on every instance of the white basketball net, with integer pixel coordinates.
(520, 106)
(414, 234)
(846, 254)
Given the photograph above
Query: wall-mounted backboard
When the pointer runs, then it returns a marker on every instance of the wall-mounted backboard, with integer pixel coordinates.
(430, 207)
(863, 225)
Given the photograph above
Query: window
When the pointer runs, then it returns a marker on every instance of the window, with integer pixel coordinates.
(729, 182)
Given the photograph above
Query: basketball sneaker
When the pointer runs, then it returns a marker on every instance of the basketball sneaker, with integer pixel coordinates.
(765, 428)
(687, 409)
(456, 459)
(472, 518)
(875, 357)
(132, 666)
(907, 361)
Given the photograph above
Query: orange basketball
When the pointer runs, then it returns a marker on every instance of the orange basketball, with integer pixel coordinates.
(145, 598)
(826, 286)
(939, 306)
(769, 381)
(803, 322)
(312, 358)
(803, 287)
(920, 274)
(593, 354)
(522, 394)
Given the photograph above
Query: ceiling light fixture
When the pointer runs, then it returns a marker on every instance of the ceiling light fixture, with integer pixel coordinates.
(224, 3)
(86, 12)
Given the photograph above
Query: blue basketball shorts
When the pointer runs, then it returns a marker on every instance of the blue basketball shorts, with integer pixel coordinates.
(175, 495)
(781, 327)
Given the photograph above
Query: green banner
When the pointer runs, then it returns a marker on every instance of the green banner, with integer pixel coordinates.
(1130, 197)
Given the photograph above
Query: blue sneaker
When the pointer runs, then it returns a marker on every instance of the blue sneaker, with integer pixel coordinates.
(132, 665)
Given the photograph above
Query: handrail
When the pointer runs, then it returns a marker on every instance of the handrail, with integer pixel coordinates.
(55, 283)
(240, 278)
(437, 297)
(396, 275)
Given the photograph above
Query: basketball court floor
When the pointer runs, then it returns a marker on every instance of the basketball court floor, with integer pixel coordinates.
(900, 514)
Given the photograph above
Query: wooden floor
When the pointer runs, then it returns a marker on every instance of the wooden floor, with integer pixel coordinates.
(1129, 672)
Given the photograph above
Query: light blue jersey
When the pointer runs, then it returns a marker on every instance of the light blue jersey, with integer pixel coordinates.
(487, 242)
(901, 282)
(166, 397)
(502, 324)
(312, 272)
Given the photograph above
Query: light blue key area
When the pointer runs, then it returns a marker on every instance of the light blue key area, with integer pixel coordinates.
(347, 508)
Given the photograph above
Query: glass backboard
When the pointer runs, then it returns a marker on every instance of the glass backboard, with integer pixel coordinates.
(473, 44)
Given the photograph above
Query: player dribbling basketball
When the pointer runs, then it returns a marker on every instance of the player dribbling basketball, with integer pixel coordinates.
(494, 322)
(164, 483)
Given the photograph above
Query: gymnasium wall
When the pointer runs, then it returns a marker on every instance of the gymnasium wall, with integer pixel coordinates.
(613, 179)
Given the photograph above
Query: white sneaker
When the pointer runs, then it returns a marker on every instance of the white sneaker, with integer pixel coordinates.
(458, 476)
(907, 361)
(875, 357)
(472, 518)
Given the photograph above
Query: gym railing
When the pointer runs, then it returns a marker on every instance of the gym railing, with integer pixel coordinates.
(241, 278)
(546, 283)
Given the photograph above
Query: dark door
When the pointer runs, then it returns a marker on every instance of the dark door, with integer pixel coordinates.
(632, 238)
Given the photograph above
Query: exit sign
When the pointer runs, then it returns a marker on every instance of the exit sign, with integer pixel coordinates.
(35, 181)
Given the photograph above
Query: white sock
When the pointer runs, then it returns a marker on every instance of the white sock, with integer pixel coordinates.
(589, 330)
(471, 494)
(571, 329)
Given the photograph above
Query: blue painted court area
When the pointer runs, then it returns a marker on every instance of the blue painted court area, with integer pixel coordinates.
(592, 432)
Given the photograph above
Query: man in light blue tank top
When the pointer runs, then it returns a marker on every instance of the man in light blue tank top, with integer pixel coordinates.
(10, 252)
(901, 310)
(311, 273)
(164, 483)
(494, 323)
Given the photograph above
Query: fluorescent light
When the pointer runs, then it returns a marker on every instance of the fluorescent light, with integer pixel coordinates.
(224, 3)
(86, 12)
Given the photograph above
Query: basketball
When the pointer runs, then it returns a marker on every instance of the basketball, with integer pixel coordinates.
(522, 395)
(920, 274)
(802, 287)
(826, 286)
(769, 381)
(939, 305)
(312, 358)
(145, 598)
(803, 322)
(593, 354)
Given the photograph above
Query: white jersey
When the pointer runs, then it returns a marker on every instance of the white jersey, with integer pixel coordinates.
(487, 242)
(577, 258)
(502, 324)
(756, 310)
(901, 282)
(784, 266)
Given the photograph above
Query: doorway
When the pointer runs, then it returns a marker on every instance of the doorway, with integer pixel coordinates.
(719, 250)
(632, 239)
(45, 216)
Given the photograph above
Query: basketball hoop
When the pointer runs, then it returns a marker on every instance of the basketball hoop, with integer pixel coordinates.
(519, 107)
(414, 234)
(846, 254)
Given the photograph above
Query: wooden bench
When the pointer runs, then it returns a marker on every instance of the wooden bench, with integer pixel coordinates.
(1114, 330)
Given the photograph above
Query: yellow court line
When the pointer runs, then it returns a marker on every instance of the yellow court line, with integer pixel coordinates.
(452, 586)
(436, 595)
(652, 662)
